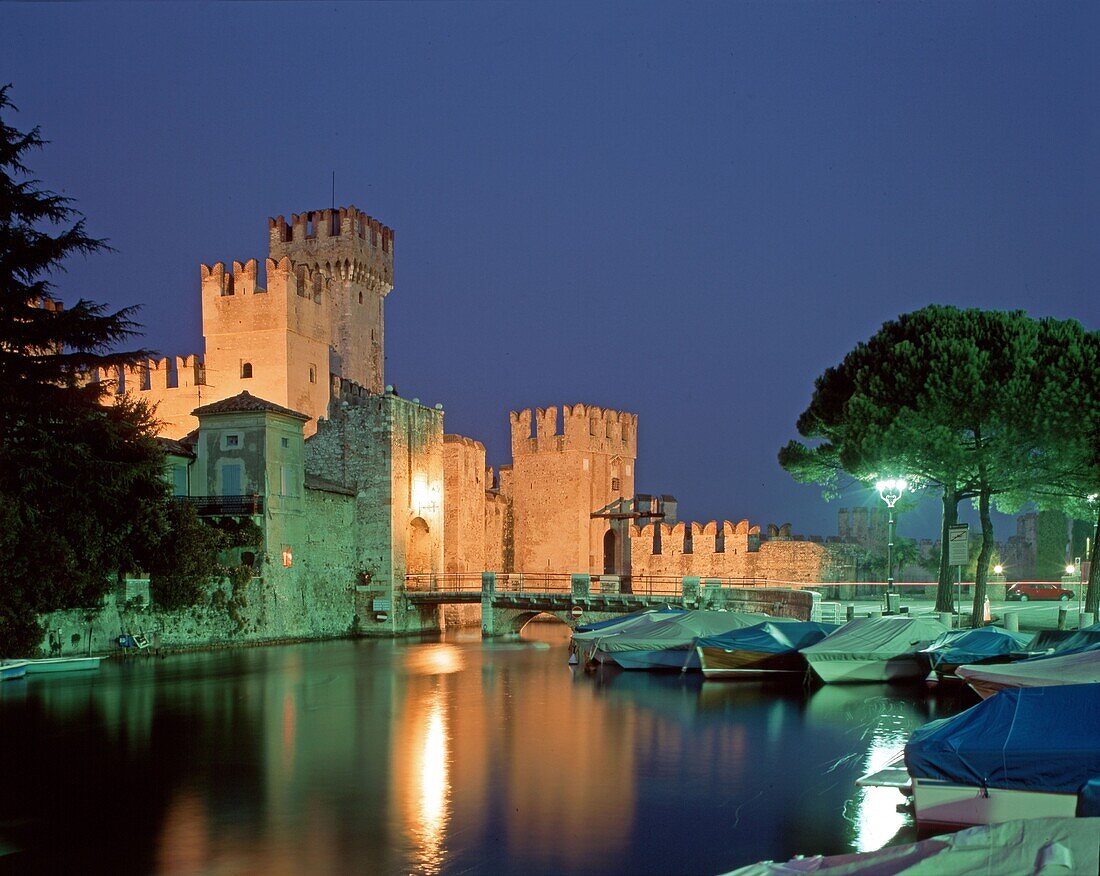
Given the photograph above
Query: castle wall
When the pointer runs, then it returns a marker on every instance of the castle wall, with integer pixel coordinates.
(498, 532)
(559, 477)
(464, 506)
(280, 333)
(174, 386)
(744, 556)
(389, 452)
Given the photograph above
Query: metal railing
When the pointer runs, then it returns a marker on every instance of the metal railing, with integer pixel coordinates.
(451, 582)
(228, 506)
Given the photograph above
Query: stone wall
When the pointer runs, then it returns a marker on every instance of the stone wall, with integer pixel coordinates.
(388, 451)
(559, 476)
(464, 506)
(725, 550)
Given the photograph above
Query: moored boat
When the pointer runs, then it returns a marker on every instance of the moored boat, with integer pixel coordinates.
(10, 670)
(760, 651)
(875, 649)
(62, 664)
(982, 645)
(1041, 845)
(1012, 756)
(1080, 668)
(666, 643)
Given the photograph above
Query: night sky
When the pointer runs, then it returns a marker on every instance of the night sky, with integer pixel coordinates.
(684, 211)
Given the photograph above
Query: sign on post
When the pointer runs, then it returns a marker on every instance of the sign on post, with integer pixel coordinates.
(575, 612)
(958, 544)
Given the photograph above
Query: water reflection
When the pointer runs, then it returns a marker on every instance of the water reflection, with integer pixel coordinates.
(426, 779)
(442, 757)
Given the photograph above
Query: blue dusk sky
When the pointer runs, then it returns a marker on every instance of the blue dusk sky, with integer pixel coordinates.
(687, 211)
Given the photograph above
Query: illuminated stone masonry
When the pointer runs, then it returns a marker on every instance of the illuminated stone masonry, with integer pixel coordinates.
(317, 325)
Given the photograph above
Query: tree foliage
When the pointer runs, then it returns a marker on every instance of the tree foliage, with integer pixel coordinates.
(970, 402)
(81, 482)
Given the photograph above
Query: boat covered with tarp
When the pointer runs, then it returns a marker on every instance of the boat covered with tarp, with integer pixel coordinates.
(1025, 753)
(1080, 668)
(1084, 639)
(762, 650)
(875, 649)
(1041, 845)
(646, 615)
(981, 645)
(664, 643)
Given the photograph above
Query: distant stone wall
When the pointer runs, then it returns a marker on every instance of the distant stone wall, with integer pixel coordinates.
(726, 550)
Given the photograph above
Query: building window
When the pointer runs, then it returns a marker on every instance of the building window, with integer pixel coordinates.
(246, 370)
(616, 485)
(288, 484)
(312, 373)
(285, 441)
(288, 556)
(231, 480)
(179, 480)
(360, 297)
(230, 441)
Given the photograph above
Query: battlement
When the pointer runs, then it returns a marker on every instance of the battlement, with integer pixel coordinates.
(153, 375)
(282, 275)
(321, 224)
(587, 428)
(344, 243)
(466, 442)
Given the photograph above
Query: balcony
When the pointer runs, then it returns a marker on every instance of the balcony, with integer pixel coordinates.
(223, 506)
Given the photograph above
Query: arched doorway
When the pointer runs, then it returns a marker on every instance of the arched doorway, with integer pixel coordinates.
(418, 548)
(610, 552)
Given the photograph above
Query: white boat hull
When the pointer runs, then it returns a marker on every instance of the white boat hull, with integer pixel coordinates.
(938, 803)
(906, 667)
(62, 664)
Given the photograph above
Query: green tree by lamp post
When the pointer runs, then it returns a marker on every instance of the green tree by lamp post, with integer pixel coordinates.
(890, 490)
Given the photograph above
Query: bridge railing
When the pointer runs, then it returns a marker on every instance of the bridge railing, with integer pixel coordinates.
(533, 582)
(450, 582)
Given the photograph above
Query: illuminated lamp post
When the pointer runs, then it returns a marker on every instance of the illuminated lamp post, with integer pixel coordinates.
(890, 490)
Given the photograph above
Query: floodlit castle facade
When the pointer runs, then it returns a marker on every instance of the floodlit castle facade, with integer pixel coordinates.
(286, 417)
(315, 328)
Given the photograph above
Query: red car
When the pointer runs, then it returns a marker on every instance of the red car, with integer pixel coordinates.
(1026, 590)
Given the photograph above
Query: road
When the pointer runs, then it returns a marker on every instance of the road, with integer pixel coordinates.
(1032, 615)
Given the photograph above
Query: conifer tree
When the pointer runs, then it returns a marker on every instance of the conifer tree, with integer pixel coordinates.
(82, 493)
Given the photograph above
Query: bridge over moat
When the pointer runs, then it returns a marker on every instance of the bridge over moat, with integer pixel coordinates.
(509, 601)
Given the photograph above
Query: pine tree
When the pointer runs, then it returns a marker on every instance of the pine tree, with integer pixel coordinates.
(82, 493)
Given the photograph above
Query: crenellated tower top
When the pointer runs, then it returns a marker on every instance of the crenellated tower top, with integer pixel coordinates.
(585, 428)
(344, 243)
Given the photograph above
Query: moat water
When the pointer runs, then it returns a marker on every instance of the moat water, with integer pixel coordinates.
(447, 757)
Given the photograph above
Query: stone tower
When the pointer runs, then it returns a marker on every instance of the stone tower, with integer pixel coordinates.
(558, 479)
(318, 324)
(354, 254)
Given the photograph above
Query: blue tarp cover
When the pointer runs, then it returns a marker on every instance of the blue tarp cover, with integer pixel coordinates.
(1085, 639)
(1025, 739)
(974, 646)
(770, 638)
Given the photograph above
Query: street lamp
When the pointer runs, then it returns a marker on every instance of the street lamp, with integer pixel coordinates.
(890, 490)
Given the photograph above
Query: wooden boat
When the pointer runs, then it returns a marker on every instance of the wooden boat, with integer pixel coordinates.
(12, 669)
(62, 664)
(1014, 756)
(765, 650)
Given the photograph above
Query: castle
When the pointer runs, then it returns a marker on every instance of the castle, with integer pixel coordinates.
(359, 488)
